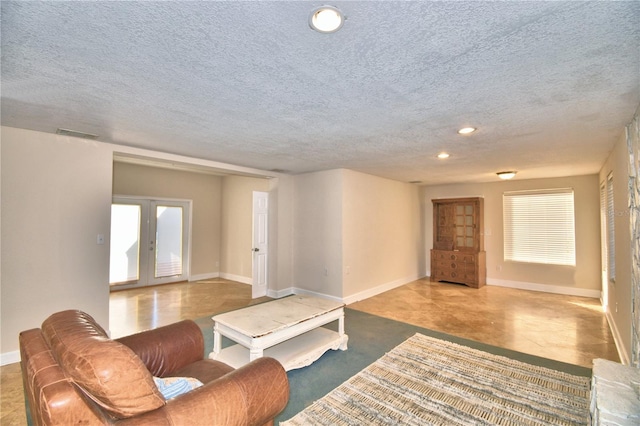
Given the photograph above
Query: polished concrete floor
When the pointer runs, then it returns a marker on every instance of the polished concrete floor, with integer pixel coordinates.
(564, 328)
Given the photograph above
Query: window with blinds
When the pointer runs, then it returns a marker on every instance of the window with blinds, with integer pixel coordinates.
(603, 227)
(539, 227)
(611, 241)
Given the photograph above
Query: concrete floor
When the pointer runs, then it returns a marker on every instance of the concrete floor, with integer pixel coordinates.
(564, 328)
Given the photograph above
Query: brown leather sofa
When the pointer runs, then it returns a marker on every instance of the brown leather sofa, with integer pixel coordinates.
(74, 374)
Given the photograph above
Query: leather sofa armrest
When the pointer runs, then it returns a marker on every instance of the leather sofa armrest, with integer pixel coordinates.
(251, 395)
(166, 349)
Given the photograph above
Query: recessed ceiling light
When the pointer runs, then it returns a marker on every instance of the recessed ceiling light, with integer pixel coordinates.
(443, 155)
(506, 175)
(467, 130)
(326, 19)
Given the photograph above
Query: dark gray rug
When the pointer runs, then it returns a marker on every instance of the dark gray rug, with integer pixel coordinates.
(370, 337)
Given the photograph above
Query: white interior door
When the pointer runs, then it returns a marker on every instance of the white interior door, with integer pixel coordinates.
(149, 241)
(260, 243)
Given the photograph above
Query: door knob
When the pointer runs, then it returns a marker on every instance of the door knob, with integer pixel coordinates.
(255, 249)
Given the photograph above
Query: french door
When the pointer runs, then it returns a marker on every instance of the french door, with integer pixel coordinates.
(149, 241)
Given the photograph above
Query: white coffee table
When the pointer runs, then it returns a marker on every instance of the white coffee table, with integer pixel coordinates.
(288, 329)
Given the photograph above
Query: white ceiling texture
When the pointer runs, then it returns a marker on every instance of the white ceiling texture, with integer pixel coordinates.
(549, 85)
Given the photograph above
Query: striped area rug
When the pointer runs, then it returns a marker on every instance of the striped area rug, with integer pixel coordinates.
(427, 381)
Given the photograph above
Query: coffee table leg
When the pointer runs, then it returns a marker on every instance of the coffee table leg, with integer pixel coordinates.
(217, 341)
(255, 353)
(345, 338)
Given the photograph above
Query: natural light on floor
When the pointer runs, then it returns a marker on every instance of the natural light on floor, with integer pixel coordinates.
(596, 308)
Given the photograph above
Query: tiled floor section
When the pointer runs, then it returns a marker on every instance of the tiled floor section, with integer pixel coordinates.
(564, 328)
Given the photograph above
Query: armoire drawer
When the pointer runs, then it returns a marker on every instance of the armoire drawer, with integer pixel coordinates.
(455, 256)
(457, 266)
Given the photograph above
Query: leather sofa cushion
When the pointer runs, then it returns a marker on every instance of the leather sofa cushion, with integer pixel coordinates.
(205, 370)
(107, 371)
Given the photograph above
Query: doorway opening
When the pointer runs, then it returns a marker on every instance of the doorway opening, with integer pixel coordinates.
(149, 241)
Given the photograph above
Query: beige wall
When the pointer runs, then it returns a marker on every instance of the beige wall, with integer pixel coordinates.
(317, 257)
(381, 232)
(620, 294)
(583, 279)
(237, 225)
(56, 198)
(281, 232)
(204, 190)
(356, 235)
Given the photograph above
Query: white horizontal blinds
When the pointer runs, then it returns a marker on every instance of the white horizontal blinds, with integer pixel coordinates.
(539, 227)
(603, 225)
(611, 241)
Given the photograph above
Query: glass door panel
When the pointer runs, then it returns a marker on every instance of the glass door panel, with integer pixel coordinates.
(464, 226)
(125, 243)
(168, 253)
(169, 242)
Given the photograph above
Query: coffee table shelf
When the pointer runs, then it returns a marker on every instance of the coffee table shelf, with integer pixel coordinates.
(296, 352)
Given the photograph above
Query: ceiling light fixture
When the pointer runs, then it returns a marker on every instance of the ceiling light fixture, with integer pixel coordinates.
(326, 19)
(467, 130)
(506, 175)
(443, 155)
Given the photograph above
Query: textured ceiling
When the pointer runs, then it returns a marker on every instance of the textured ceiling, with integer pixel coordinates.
(550, 85)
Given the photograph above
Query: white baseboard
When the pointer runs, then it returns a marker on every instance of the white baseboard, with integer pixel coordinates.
(200, 277)
(232, 277)
(238, 278)
(546, 288)
(346, 300)
(349, 299)
(277, 294)
(315, 293)
(379, 289)
(622, 350)
(9, 358)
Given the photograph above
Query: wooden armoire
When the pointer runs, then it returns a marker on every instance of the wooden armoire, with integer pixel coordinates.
(458, 241)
